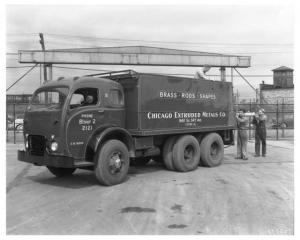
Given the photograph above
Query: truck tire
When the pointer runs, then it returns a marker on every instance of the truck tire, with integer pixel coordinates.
(186, 153)
(61, 172)
(111, 163)
(140, 161)
(168, 153)
(212, 150)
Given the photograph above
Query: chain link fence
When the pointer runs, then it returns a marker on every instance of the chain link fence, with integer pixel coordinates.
(14, 121)
(280, 118)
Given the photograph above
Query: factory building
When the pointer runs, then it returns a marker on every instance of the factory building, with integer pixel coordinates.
(282, 89)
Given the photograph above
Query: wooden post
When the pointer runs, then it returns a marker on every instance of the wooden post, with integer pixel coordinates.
(42, 42)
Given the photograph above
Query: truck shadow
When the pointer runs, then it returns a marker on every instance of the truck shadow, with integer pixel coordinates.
(80, 179)
(84, 178)
(151, 167)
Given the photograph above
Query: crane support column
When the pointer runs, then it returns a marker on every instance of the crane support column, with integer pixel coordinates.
(223, 74)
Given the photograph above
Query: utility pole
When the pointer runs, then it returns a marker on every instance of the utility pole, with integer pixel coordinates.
(42, 42)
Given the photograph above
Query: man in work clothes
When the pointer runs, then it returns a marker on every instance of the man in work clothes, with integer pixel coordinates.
(259, 120)
(242, 135)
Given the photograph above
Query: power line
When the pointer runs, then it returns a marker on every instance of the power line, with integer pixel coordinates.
(170, 42)
(155, 41)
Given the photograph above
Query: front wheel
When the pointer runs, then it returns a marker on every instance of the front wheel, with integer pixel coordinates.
(112, 163)
(61, 172)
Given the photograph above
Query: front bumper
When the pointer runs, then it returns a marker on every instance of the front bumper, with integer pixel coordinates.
(52, 160)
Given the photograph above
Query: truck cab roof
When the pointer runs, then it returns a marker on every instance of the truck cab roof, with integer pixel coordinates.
(76, 82)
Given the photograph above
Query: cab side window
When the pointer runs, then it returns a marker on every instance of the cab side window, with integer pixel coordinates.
(84, 97)
(116, 98)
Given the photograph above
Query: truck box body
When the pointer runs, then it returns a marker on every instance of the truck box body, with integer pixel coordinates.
(157, 104)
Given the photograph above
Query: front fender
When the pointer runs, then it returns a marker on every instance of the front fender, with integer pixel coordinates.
(106, 133)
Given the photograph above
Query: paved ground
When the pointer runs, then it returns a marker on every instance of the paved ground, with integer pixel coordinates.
(239, 197)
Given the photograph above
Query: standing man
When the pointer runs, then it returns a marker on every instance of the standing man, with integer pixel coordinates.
(259, 120)
(242, 135)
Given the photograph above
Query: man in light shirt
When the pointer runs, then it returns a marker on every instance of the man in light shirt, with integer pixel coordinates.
(242, 135)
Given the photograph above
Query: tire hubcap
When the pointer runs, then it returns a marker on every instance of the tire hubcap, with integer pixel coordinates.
(188, 153)
(115, 163)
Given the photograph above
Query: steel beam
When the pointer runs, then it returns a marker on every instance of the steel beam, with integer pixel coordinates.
(133, 56)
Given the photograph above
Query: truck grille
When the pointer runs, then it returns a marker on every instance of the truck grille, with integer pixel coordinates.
(37, 145)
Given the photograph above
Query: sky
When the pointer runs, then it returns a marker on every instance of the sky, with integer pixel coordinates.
(264, 32)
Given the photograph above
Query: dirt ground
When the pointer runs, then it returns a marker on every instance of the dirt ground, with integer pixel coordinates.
(238, 197)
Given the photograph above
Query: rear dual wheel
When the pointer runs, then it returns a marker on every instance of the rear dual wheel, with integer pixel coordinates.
(181, 154)
(168, 153)
(212, 150)
(186, 153)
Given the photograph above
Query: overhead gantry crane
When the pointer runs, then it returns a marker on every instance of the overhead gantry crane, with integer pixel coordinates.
(134, 55)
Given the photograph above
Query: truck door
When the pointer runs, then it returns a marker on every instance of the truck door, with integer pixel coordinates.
(90, 109)
(84, 115)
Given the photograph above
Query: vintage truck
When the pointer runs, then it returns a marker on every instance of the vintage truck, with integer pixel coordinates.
(107, 122)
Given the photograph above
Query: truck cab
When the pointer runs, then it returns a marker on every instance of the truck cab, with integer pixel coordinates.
(63, 118)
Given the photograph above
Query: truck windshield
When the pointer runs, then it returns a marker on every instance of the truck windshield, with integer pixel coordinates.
(53, 98)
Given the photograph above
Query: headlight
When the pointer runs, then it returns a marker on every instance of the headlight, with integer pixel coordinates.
(54, 146)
